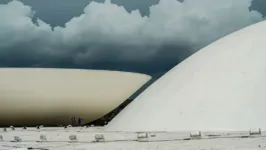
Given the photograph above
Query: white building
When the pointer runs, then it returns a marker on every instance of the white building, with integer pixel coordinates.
(221, 87)
(60, 96)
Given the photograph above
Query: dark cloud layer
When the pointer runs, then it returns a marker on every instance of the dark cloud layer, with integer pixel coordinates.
(141, 5)
(259, 5)
(106, 36)
(58, 12)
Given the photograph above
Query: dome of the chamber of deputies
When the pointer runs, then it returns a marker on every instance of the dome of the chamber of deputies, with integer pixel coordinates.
(52, 96)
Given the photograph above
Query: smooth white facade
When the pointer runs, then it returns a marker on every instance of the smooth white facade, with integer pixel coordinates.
(53, 96)
(221, 87)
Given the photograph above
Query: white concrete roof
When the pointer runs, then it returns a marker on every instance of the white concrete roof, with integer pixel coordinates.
(39, 96)
(221, 87)
(81, 138)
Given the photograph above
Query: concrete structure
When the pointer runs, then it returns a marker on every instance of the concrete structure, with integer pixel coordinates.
(221, 87)
(78, 138)
(62, 96)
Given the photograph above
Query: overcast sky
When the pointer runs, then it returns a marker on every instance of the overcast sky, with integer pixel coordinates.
(147, 36)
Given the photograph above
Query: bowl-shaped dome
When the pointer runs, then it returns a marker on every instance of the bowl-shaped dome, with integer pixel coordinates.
(62, 96)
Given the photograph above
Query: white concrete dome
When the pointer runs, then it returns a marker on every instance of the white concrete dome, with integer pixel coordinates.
(54, 96)
(221, 87)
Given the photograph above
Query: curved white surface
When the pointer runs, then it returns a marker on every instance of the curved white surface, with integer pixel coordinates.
(221, 87)
(53, 96)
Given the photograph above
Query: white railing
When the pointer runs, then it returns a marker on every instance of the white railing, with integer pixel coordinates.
(73, 134)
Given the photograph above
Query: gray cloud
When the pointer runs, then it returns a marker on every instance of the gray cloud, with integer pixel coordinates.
(107, 35)
(259, 5)
(141, 5)
(61, 11)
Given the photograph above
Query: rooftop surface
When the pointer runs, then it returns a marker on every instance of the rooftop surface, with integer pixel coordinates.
(95, 138)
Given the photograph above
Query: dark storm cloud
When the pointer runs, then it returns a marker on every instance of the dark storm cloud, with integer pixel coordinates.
(106, 36)
(141, 5)
(259, 5)
(58, 12)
